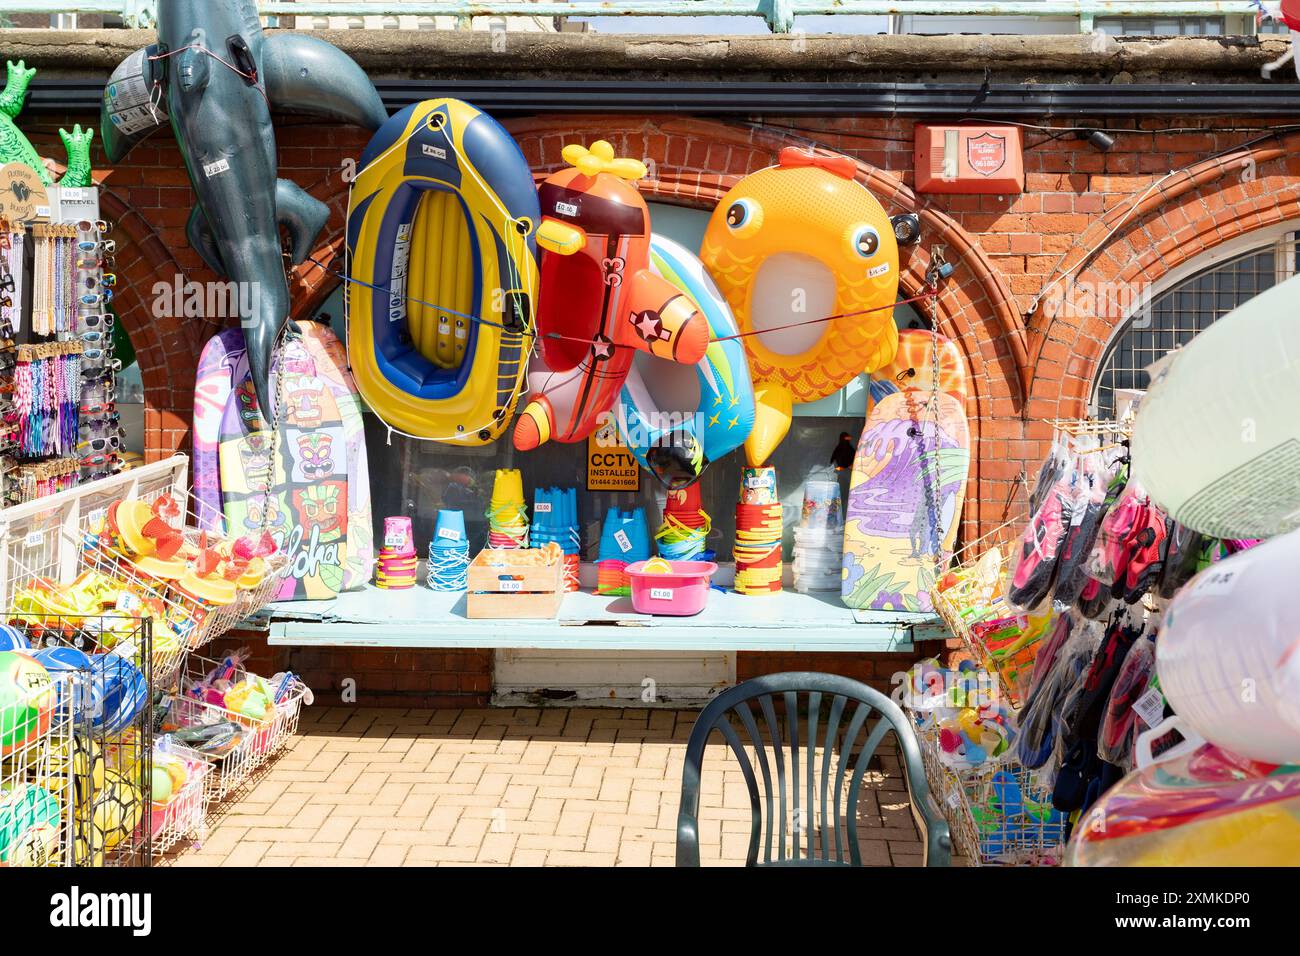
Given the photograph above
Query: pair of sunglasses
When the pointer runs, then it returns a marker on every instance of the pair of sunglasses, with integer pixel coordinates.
(96, 355)
(97, 298)
(100, 444)
(92, 225)
(98, 408)
(95, 320)
(107, 280)
(104, 246)
(101, 262)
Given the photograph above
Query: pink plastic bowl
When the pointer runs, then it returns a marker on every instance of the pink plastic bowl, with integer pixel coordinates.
(682, 593)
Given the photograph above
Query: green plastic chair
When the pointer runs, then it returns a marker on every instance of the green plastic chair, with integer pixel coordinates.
(817, 796)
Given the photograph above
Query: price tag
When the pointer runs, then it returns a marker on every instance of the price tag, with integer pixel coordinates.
(758, 481)
(661, 594)
(394, 540)
(97, 516)
(623, 541)
(953, 800)
(33, 539)
(542, 508)
(512, 587)
(1150, 707)
(1218, 580)
(451, 534)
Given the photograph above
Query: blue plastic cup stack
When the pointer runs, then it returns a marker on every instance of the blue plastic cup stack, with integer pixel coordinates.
(555, 519)
(624, 540)
(449, 553)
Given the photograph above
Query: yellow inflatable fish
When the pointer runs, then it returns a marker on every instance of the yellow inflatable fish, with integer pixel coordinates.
(793, 244)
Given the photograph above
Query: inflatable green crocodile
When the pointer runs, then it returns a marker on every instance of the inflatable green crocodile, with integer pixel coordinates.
(17, 148)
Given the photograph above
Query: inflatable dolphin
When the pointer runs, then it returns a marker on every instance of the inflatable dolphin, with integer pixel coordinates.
(218, 77)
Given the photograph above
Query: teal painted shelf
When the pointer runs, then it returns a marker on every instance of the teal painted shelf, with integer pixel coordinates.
(421, 618)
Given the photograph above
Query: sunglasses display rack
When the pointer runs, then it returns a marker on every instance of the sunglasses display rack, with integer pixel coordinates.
(57, 369)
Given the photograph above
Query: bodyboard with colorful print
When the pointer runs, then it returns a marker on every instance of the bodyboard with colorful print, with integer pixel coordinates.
(313, 483)
(247, 500)
(905, 500)
(213, 383)
(332, 365)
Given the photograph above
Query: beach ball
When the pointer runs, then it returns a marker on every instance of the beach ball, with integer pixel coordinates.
(29, 826)
(118, 690)
(64, 664)
(114, 814)
(27, 699)
(12, 639)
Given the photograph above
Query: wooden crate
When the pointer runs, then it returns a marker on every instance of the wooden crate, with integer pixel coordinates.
(502, 585)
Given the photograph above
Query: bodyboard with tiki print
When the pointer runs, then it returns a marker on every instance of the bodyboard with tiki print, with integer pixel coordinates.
(905, 500)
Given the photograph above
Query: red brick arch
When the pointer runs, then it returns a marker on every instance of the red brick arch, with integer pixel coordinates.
(1211, 203)
(696, 161)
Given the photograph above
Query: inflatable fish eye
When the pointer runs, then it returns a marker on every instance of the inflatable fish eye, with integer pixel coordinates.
(442, 246)
(865, 241)
(745, 217)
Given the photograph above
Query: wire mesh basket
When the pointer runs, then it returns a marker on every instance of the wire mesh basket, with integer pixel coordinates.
(271, 733)
(234, 764)
(96, 762)
(42, 727)
(183, 814)
(998, 813)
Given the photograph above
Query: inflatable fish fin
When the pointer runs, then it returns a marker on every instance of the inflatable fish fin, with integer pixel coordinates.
(117, 143)
(773, 409)
(203, 242)
(301, 215)
(534, 427)
(305, 74)
(193, 69)
(666, 322)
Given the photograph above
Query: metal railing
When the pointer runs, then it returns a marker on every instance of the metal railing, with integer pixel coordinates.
(778, 14)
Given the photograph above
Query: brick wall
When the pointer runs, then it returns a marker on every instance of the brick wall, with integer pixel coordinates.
(1110, 219)
(374, 677)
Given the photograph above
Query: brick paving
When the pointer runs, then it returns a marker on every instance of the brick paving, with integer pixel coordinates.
(518, 787)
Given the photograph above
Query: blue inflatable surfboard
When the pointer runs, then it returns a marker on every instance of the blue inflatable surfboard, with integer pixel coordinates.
(677, 419)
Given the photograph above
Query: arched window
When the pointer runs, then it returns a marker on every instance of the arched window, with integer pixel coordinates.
(1191, 299)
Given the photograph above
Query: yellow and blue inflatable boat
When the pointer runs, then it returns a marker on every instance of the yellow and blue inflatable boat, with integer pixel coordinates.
(442, 254)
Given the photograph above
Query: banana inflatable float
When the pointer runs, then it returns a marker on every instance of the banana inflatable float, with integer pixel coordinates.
(599, 300)
(792, 244)
(442, 234)
(676, 419)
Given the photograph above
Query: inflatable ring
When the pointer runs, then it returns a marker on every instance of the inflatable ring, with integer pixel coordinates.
(444, 187)
(599, 300)
(791, 244)
(709, 408)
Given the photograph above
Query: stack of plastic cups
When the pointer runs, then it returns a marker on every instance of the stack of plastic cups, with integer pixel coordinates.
(449, 553)
(758, 533)
(819, 539)
(685, 526)
(397, 561)
(507, 514)
(555, 518)
(624, 540)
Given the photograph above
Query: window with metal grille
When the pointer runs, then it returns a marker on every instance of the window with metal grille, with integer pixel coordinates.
(1173, 317)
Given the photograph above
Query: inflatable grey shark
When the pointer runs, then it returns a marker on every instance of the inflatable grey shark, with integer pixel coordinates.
(218, 77)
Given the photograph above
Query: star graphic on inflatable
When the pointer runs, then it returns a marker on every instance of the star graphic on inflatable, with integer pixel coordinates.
(734, 422)
(649, 326)
(735, 400)
(714, 420)
(602, 348)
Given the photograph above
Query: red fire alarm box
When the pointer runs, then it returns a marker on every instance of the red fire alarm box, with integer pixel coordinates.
(969, 159)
